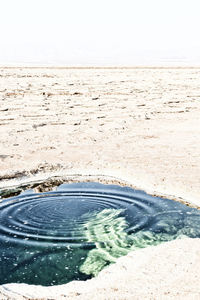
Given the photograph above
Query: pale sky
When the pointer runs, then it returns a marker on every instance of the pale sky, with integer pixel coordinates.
(100, 32)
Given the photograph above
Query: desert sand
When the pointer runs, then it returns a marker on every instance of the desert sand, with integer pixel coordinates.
(137, 125)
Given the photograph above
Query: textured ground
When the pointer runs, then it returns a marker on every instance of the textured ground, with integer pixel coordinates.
(141, 125)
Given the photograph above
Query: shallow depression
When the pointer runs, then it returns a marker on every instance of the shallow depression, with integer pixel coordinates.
(72, 233)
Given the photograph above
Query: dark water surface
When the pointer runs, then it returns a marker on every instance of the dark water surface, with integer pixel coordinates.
(72, 233)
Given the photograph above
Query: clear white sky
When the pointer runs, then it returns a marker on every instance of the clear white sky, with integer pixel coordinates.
(100, 32)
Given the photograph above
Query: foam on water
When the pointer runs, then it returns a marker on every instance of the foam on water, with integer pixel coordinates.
(72, 233)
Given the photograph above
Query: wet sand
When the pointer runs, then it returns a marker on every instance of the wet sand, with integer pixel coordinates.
(139, 125)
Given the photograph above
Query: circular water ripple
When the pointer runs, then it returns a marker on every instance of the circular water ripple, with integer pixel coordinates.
(72, 233)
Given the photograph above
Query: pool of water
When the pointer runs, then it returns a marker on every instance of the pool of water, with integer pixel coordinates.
(71, 234)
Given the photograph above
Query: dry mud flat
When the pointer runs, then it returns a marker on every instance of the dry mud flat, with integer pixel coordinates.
(140, 125)
(136, 124)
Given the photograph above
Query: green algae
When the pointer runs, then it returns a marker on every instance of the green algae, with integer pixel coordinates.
(108, 230)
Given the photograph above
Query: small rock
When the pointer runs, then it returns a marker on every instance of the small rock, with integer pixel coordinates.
(77, 123)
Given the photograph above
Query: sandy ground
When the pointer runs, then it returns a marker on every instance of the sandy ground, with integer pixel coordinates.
(139, 125)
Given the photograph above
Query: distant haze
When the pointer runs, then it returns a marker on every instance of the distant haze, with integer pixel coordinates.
(103, 32)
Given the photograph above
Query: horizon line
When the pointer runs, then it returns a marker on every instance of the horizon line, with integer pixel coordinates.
(57, 66)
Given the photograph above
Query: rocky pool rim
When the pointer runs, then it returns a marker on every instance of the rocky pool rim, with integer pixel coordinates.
(15, 185)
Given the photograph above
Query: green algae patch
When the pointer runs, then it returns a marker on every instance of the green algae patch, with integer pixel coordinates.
(108, 230)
